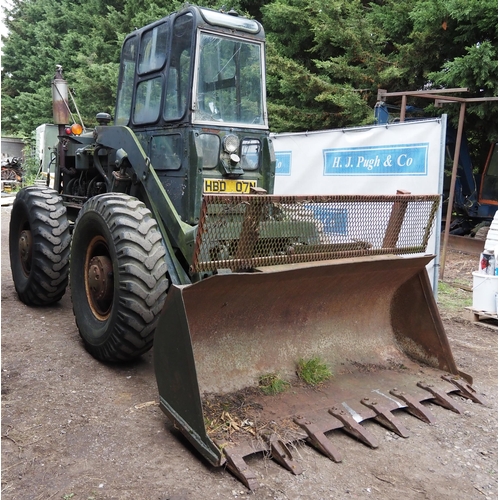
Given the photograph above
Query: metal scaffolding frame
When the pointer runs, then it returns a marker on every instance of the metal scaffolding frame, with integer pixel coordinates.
(440, 98)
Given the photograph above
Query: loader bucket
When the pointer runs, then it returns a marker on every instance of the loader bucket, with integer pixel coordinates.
(371, 319)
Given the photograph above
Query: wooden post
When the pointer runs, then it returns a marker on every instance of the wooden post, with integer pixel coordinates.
(402, 111)
(250, 228)
(452, 189)
(395, 222)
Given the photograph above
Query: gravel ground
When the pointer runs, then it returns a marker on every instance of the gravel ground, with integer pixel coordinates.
(73, 428)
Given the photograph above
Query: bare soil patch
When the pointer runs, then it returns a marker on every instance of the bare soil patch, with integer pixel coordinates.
(74, 428)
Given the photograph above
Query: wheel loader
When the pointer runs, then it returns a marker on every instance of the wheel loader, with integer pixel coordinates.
(166, 225)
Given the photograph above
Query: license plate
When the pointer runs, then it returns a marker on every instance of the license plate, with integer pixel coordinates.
(227, 186)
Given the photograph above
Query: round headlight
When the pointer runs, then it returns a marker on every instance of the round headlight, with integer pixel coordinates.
(231, 143)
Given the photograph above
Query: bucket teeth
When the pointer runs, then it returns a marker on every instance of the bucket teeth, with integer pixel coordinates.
(282, 455)
(318, 439)
(465, 389)
(441, 398)
(384, 416)
(238, 466)
(415, 407)
(353, 427)
(348, 416)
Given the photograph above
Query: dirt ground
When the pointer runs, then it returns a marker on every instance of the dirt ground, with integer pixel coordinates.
(74, 428)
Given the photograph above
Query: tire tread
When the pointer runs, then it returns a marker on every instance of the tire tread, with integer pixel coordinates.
(49, 227)
(143, 276)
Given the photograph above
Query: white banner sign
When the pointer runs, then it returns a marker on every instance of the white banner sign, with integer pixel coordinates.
(368, 160)
(377, 160)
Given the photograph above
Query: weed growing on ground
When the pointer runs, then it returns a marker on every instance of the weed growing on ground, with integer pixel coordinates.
(313, 371)
(272, 383)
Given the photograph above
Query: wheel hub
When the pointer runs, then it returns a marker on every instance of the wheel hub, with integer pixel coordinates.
(25, 246)
(100, 278)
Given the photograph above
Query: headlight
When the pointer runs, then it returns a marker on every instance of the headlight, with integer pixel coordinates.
(231, 143)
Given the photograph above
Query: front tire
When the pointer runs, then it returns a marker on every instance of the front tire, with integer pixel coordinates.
(118, 276)
(39, 244)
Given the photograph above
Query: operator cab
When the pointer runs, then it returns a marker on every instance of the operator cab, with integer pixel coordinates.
(197, 66)
(192, 88)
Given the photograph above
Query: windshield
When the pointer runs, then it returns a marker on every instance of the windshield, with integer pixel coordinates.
(230, 81)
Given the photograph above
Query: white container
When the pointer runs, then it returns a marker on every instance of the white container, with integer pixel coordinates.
(492, 237)
(484, 292)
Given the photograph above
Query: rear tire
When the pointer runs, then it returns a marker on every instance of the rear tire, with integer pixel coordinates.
(39, 243)
(118, 276)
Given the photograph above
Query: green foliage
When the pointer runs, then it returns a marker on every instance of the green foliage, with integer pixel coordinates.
(272, 383)
(445, 44)
(42, 34)
(31, 166)
(325, 60)
(300, 100)
(318, 74)
(313, 371)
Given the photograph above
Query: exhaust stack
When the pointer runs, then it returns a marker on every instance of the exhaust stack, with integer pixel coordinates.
(60, 108)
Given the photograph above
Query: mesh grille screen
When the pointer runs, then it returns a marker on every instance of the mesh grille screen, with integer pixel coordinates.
(241, 232)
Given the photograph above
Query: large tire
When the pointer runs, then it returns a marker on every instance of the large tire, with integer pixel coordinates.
(118, 276)
(39, 245)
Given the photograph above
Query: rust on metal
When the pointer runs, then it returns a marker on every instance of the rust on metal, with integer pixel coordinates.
(318, 439)
(415, 407)
(385, 417)
(466, 389)
(282, 455)
(249, 231)
(441, 398)
(465, 244)
(264, 322)
(334, 289)
(354, 428)
(241, 232)
(238, 466)
(60, 108)
(395, 223)
(26, 250)
(100, 277)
